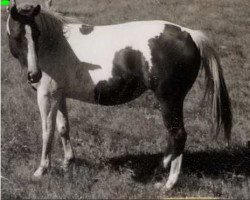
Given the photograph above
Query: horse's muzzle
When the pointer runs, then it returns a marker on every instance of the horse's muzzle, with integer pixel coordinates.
(34, 77)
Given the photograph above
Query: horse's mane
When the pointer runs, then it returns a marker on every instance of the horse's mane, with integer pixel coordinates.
(50, 25)
(58, 16)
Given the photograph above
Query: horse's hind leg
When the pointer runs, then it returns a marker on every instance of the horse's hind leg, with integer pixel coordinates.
(171, 100)
(63, 129)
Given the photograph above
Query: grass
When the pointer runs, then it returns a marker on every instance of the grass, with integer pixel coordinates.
(118, 148)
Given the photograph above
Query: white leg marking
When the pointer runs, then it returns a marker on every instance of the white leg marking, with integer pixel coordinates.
(31, 56)
(174, 172)
(63, 129)
(48, 110)
(166, 160)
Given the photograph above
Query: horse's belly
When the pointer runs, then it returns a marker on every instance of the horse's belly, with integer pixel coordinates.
(129, 80)
(118, 91)
(110, 92)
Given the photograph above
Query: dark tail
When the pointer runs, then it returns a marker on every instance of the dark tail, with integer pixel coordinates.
(215, 84)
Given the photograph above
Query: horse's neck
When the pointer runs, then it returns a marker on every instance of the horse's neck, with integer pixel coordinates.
(56, 52)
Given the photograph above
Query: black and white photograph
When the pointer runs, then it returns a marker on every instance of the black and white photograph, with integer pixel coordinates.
(125, 99)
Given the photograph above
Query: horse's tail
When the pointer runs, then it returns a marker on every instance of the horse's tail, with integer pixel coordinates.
(215, 83)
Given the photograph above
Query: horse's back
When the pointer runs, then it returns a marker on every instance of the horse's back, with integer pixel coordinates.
(101, 43)
(129, 55)
(98, 45)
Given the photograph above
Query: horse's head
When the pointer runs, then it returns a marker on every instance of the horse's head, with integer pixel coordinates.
(23, 36)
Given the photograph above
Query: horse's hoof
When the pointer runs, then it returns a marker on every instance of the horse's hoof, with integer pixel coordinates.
(66, 169)
(163, 187)
(68, 164)
(158, 185)
(167, 187)
(36, 177)
(39, 173)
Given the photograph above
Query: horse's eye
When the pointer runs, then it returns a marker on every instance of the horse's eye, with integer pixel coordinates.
(19, 37)
(36, 33)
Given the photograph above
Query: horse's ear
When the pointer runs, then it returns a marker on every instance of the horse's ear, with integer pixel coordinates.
(36, 10)
(48, 4)
(12, 4)
(14, 12)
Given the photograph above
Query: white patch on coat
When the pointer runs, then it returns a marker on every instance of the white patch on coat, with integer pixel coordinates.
(99, 46)
(8, 25)
(31, 55)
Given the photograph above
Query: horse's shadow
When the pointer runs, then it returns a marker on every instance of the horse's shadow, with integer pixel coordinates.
(214, 164)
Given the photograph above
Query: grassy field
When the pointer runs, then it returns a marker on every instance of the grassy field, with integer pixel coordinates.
(118, 148)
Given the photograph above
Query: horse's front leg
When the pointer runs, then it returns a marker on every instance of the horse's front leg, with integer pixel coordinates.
(48, 105)
(63, 129)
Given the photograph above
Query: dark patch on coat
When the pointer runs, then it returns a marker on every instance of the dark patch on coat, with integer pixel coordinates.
(86, 29)
(128, 79)
(176, 61)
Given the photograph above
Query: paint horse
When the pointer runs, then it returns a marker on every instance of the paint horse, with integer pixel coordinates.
(110, 65)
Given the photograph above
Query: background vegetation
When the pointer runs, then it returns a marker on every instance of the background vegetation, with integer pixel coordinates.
(118, 148)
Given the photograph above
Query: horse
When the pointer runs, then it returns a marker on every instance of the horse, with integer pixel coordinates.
(111, 65)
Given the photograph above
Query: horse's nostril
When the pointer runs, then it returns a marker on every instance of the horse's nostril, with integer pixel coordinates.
(29, 76)
(34, 77)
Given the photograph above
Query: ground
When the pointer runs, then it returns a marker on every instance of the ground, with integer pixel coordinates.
(118, 148)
